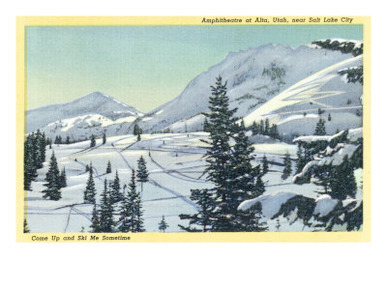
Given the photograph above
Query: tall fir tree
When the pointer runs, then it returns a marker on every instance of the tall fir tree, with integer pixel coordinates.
(106, 221)
(52, 190)
(116, 193)
(127, 210)
(228, 169)
(95, 223)
(242, 171)
(63, 178)
(104, 138)
(90, 191)
(142, 172)
(30, 170)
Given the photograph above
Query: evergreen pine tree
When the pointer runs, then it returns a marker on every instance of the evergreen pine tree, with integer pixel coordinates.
(95, 225)
(116, 194)
(90, 191)
(104, 138)
(106, 211)
(92, 141)
(255, 128)
(242, 172)
(206, 125)
(127, 211)
(30, 170)
(267, 127)
(329, 117)
(265, 165)
(288, 165)
(206, 211)
(52, 190)
(218, 156)
(137, 130)
(109, 167)
(261, 127)
(25, 227)
(163, 225)
(142, 172)
(62, 178)
(67, 140)
(343, 182)
(320, 128)
(259, 188)
(87, 168)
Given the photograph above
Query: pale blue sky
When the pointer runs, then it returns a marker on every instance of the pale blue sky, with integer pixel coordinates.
(144, 66)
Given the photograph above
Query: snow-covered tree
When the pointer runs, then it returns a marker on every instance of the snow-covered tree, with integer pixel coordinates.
(142, 172)
(52, 190)
(228, 169)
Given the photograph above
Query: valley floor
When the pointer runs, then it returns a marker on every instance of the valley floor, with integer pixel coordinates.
(175, 163)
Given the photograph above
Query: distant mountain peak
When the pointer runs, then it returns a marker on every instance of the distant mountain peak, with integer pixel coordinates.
(92, 103)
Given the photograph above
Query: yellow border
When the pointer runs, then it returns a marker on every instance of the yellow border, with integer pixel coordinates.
(361, 236)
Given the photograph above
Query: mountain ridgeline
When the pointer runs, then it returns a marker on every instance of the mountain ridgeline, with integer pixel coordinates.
(292, 87)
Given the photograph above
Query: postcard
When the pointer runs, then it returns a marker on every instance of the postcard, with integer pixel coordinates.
(193, 129)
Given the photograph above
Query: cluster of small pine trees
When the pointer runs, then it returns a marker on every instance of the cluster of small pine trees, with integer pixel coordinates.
(125, 203)
(34, 156)
(264, 128)
(229, 168)
(55, 180)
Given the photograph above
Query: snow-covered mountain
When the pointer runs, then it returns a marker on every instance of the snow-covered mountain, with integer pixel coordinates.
(254, 77)
(95, 103)
(326, 94)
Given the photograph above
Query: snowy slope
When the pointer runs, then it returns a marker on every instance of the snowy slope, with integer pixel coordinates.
(295, 110)
(254, 76)
(81, 127)
(94, 103)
